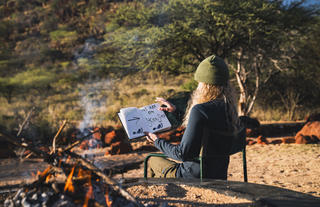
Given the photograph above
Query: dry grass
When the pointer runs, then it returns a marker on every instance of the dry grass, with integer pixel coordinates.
(109, 96)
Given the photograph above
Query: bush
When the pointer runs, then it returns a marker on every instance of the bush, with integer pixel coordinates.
(190, 85)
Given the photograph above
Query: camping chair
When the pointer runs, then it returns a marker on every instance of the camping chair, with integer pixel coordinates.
(245, 176)
(238, 145)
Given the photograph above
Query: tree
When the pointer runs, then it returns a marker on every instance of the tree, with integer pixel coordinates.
(252, 35)
(270, 49)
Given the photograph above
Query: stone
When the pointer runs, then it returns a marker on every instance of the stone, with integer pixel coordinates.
(147, 148)
(119, 148)
(262, 140)
(174, 135)
(115, 136)
(251, 142)
(310, 133)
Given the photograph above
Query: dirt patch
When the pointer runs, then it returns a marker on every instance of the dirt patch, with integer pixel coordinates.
(291, 166)
(182, 195)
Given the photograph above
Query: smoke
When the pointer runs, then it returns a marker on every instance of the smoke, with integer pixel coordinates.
(93, 103)
(92, 97)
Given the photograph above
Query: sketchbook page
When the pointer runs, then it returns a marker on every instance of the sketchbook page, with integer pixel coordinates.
(155, 119)
(132, 121)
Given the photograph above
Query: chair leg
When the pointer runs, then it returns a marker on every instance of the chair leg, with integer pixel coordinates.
(201, 168)
(145, 164)
(244, 159)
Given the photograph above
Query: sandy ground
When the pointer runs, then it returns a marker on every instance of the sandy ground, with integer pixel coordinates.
(290, 166)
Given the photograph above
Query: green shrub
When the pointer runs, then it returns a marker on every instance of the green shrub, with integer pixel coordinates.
(190, 85)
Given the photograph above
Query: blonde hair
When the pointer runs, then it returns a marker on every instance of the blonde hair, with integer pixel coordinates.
(208, 92)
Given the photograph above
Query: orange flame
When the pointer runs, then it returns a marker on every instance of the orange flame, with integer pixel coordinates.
(69, 186)
(48, 178)
(89, 193)
(108, 201)
(44, 173)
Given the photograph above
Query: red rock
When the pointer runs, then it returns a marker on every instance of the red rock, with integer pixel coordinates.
(110, 137)
(250, 142)
(147, 148)
(84, 145)
(97, 135)
(115, 136)
(310, 133)
(262, 140)
(302, 140)
(119, 148)
(173, 135)
(166, 135)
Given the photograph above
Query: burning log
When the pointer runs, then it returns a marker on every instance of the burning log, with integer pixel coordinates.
(100, 173)
(55, 159)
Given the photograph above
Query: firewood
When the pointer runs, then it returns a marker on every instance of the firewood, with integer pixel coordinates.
(24, 123)
(100, 173)
(26, 120)
(52, 158)
(13, 140)
(56, 136)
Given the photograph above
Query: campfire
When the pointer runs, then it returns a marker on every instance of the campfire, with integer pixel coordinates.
(81, 188)
(70, 180)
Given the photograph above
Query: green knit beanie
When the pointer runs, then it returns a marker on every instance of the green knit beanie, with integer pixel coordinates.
(212, 70)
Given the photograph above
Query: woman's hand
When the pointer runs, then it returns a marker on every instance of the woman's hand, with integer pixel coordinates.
(165, 105)
(150, 136)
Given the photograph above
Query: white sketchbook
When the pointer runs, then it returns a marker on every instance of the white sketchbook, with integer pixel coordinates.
(149, 118)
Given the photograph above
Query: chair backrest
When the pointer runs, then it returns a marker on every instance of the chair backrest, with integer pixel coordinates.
(238, 144)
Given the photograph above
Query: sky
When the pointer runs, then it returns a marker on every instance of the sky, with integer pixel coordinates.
(308, 2)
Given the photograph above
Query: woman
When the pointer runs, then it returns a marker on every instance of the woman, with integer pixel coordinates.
(211, 122)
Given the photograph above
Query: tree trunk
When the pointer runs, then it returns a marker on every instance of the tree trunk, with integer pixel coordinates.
(241, 78)
(246, 101)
